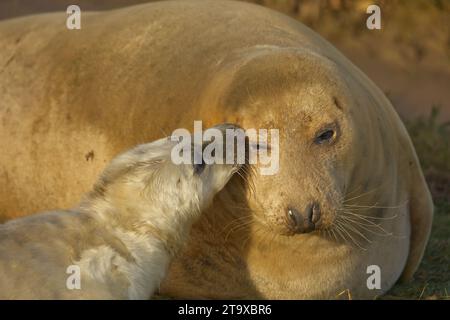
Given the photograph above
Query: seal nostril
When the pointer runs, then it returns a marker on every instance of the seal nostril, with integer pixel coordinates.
(315, 213)
(292, 216)
(310, 212)
(303, 222)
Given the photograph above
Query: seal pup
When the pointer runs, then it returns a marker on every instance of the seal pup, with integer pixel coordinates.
(122, 236)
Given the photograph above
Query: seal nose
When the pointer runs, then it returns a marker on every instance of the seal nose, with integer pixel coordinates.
(304, 222)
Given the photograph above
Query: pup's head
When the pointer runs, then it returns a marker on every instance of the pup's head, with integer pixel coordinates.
(146, 178)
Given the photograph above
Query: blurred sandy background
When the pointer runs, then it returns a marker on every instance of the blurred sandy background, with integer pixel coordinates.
(409, 58)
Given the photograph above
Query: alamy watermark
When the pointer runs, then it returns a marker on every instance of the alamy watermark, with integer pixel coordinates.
(374, 280)
(73, 281)
(230, 148)
(73, 21)
(374, 20)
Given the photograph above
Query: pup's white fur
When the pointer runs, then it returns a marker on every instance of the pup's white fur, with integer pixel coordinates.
(122, 236)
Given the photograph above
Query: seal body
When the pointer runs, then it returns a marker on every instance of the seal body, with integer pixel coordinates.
(118, 243)
(132, 73)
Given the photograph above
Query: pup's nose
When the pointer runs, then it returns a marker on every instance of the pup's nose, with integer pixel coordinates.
(306, 221)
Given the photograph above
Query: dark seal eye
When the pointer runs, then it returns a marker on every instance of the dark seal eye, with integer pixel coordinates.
(198, 168)
(324, 136)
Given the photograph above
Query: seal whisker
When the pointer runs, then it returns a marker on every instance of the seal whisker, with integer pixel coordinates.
(374, 232)
(236, 220)
(354, 227)
(360, 218)
(361, 195)
(366, 226)
(344, 229)
(246, 239)
(363, 218)
(375, 206)
(351, 192)
(370, 222)
(238, 223)
(246, 209)
(342, 234)
(332, 233)
(264, 236)
(246, 172)
(369, 217)
(339, 232)
(329, 234)
(239, 227)
(256, 228)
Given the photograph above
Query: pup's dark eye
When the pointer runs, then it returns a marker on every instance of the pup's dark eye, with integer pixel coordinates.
(198, 168)
(324, 136)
